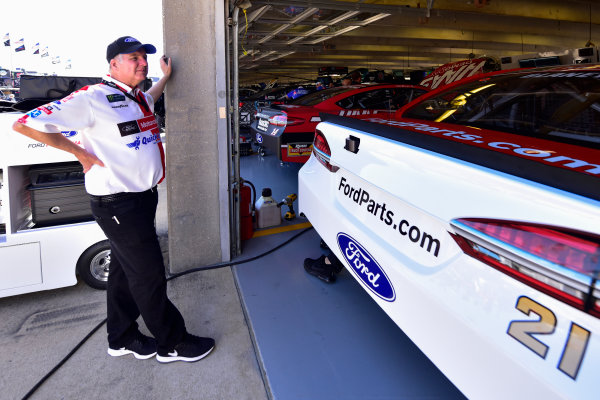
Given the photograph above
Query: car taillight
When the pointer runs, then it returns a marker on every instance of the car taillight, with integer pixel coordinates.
(278, 120)
(322, 151)
(562, 263)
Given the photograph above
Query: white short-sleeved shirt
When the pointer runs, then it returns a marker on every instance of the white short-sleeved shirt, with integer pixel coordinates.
(115, 128)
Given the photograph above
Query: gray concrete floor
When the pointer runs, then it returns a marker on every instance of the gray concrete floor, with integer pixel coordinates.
(39, 329)
(281, 334)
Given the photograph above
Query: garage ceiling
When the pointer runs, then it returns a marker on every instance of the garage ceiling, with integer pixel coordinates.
(290, 40)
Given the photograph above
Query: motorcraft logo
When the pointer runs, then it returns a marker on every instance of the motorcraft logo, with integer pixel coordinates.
(365, 267)
(147, 123)
(137, 126)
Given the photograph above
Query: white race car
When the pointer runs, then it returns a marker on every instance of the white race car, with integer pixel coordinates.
(473, 219)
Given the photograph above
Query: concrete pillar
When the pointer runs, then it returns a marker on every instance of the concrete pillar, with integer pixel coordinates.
(197, 164)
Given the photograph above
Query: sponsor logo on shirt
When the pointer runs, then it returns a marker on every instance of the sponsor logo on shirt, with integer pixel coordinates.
(137, 126)
(34, 113)
(69, 134)
(147, 123)
(135, 144)
(365, 267)
(120, 106)
(113, 98)
(46, 109)
(152, 139)
(128, 128)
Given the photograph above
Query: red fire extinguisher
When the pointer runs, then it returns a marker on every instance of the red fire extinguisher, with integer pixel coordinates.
(246, 209)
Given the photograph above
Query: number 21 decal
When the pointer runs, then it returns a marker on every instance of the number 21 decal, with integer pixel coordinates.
(523, 331)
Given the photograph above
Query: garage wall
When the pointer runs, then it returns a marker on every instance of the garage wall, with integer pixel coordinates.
(196, 134)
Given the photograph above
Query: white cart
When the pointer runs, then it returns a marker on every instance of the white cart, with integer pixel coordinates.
(41, 258)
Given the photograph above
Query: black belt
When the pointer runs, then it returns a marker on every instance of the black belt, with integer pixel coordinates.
(109, 198)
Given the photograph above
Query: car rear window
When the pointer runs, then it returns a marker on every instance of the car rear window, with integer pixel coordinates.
(559, 106)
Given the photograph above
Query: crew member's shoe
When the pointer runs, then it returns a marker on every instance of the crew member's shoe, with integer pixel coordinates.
(142, 348)
(319, 268)
(192, 348)
(323, 245)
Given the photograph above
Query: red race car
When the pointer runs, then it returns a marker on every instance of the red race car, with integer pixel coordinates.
(288, 129)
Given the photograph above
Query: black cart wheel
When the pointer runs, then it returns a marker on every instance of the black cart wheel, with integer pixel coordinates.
(93, 265)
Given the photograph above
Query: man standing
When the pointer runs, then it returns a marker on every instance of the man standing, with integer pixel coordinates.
(123, 161)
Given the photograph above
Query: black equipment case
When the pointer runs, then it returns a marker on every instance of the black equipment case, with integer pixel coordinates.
(58, 194)
(36, 90)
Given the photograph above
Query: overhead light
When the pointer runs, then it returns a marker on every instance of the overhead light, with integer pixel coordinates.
(327, 24)
(254, 16)
(275, 32)
(303, 15)
(340, 32)
(374, 18)
(263, 55)
(306, 34)
(281, 55)
(294, 40)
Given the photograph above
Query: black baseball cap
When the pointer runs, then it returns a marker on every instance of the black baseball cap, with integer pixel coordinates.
(126, 45)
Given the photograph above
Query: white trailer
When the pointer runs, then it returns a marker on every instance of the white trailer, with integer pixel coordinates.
(40, 258)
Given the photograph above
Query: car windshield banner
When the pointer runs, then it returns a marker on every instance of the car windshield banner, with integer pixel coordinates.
(455, 71)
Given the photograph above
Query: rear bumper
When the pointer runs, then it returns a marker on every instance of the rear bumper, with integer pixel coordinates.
(289, 147)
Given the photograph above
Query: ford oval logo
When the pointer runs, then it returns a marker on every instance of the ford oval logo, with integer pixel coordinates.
(69, 134)
(365, 267)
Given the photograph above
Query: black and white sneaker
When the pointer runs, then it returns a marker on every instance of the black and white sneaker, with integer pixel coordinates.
(142, 348)
(323, 268)
(192, 348)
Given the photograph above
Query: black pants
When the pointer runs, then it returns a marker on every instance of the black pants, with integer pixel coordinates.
(136, 281)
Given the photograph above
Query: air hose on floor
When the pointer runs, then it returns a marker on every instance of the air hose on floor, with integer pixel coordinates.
(170, 277)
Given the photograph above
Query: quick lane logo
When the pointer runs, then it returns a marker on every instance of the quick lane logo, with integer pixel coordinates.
(365, 267)
(135, 144)
(113, 98)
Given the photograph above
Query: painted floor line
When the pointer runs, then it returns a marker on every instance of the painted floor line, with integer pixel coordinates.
(280, 229)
